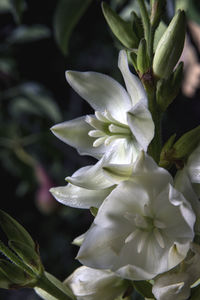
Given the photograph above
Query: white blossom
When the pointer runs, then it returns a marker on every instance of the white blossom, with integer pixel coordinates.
(176, 283)
(91, 284)
(140, 226)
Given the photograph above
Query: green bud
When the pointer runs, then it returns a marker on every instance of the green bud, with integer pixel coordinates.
(157, 8)
(167, 89)
(137, 25)
(143, 61)
(16, 277)
(29, 255)
(170, 46)
(14, 230)
(186, 144)
(121, 29)
(165, 153)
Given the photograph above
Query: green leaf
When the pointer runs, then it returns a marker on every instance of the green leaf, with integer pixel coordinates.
(18, 7)
(164, 162)
(120, 28)
(24, 34)
(67, 15)
(14, 230)
(144, 288)
(29, 255)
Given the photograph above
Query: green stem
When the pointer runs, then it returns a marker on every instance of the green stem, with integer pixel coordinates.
(45, 284)
(17, 261)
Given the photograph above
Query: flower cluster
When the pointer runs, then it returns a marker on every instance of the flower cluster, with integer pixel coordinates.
(147, 220)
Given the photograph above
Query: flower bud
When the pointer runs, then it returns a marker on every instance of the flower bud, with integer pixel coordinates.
(170, 46)
(157, 7)
(91, 284)
(186, 144)
(167, 89)
(121, 29)
(143, 61)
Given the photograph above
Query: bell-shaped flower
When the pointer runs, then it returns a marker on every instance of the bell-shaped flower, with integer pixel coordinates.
(143, 228)
(120, 116)
(176, 283)
(91, 284)
(120, 128)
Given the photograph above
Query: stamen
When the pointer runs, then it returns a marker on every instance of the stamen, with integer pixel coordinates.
(101, 117)
(131, 236)
(159, 237)
(109, 117)
(117, 129)
(159, 224)
(96, 133)
(95, 123)
(99, 141)
(141, 242)
(110, 139)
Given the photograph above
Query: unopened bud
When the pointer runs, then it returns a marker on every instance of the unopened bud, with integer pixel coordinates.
(143, 61)
(170, 46)
(157, 8)
(121, 29)
(167, 89)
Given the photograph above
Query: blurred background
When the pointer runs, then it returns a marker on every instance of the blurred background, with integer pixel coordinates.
(39, 40)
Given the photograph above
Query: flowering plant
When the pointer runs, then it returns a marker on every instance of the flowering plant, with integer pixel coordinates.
(144, 195)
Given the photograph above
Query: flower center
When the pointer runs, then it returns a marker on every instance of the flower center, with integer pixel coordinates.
(145, 225)
(106, 128)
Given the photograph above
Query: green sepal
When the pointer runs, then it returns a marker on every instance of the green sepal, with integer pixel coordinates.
(14, 230)
(137, 25)
(170, 46)
(164, 156)
(143, 61)
(29, 256)
(157, 9)
(168, 89)
(186, 144)
(144, 288)
(132, 57)
(5, 283)
(94, 211)
(120, 28)
(16, 277)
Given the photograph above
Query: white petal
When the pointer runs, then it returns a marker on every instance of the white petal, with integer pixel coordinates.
(133, 84)
(118, 172)
(75, 134)
(101, 92)
(141, 124)
(78, 197)
(93, 178)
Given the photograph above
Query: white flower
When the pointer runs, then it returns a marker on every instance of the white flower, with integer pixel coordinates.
(120, 128)
(140, 225)
(92, 284)
(187, 181)
(176, 283)
(121, 117)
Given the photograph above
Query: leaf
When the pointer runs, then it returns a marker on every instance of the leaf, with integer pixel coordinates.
(67, 15)
(14, 230)
(17, 9)
(24, 34)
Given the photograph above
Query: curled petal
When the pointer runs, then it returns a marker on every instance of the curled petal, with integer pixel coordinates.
(133, 84)
(101, 91)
